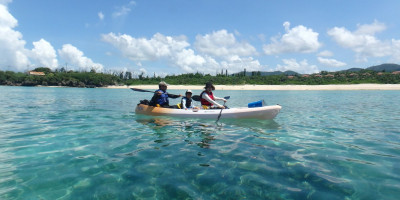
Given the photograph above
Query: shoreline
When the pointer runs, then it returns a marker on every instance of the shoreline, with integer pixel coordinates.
(271, 87)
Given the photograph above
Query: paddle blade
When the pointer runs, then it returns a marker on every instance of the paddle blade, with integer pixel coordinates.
(227, 97)
(196, 97)
(140, 90)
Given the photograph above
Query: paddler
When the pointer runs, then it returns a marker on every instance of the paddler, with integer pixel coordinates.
(187, 101)
(160, 97)
(207, 98)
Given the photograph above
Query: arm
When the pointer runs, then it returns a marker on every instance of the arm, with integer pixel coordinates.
(206, 97)
(154, 100)
(219, 98)
(184, 103)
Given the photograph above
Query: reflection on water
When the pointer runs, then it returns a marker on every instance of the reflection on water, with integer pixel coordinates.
(204, 129)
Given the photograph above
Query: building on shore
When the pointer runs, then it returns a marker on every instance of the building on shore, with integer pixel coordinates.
(33, 73)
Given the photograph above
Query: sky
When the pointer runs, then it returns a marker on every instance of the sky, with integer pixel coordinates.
(165, 37)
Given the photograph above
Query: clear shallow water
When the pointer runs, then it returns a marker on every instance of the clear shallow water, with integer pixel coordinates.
(73, 143)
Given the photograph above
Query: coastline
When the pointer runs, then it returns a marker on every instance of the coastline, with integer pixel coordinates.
(271, 87)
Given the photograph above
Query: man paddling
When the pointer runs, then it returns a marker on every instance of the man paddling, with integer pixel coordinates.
(207, 98)
(160, 97)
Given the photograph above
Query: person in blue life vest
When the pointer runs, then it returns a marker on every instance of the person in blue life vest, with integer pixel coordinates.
(187, 101)
(160, 97)
(207, 98)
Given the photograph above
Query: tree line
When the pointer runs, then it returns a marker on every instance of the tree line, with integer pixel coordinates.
(93, 79)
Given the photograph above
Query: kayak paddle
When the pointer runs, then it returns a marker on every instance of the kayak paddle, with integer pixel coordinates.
(227, 97)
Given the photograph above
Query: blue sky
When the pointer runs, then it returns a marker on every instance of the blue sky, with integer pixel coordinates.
(178, 36)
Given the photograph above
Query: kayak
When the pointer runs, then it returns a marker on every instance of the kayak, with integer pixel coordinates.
(264, 112)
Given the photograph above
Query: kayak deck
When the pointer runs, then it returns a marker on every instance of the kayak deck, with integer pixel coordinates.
(265, 112)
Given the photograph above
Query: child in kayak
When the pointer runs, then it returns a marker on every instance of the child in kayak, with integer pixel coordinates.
(187, 101)
(207, 98)
(160, 97)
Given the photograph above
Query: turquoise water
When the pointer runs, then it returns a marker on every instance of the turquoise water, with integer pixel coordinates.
(76, 143)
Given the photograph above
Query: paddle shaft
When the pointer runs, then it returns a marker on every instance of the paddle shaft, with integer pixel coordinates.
(219, 116)
(220, 113)
(195, 97)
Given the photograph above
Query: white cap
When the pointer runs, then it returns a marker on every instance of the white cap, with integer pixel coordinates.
(162, 83)
(189, 91)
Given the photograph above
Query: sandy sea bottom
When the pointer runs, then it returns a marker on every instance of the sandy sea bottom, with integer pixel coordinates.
(77, 143)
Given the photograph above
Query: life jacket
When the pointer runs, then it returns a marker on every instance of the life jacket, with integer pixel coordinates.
(204, 101)
(163, 98)
(188, 102)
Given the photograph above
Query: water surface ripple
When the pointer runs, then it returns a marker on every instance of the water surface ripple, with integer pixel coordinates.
(76, 143)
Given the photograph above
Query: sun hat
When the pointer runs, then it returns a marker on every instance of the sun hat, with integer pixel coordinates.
(209, 84)
(162, 83)
(189, 91)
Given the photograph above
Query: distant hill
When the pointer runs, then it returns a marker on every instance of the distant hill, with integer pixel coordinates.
(352, 70)
(377, 68)
(385, 68)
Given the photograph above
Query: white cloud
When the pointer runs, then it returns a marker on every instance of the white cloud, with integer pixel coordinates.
(188, 61)
(331, 62)
(176, 52)
(222, 43)
(172, 49)
(325, 54)
(5, 2)
(45, 54)
(75, 57)
(12, 46)
(370, 29)
(299, 39)
(396, 50)
(124, 10)
(301, 67)
(159, 46)
(236, 64)
(363, 41)
(101, 15)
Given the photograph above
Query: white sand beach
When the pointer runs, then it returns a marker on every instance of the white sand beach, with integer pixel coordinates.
(273, 87)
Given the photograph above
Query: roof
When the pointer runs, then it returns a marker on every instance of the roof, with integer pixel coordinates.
(36, 73)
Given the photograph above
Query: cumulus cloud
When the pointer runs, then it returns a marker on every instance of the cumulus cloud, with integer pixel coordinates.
(299, 39)
(301, 67)
(370, 29)
(76, 58)
(171, 49)
(236, 63)
(177, 52)
(396, 50)
(364, 42)
(221, 43)
(331, 62)
(12, 46)
(14, 55)
(44, 53)
(188, 61)
(157, 47)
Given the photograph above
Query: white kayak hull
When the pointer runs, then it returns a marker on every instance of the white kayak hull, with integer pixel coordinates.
(265, 112)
